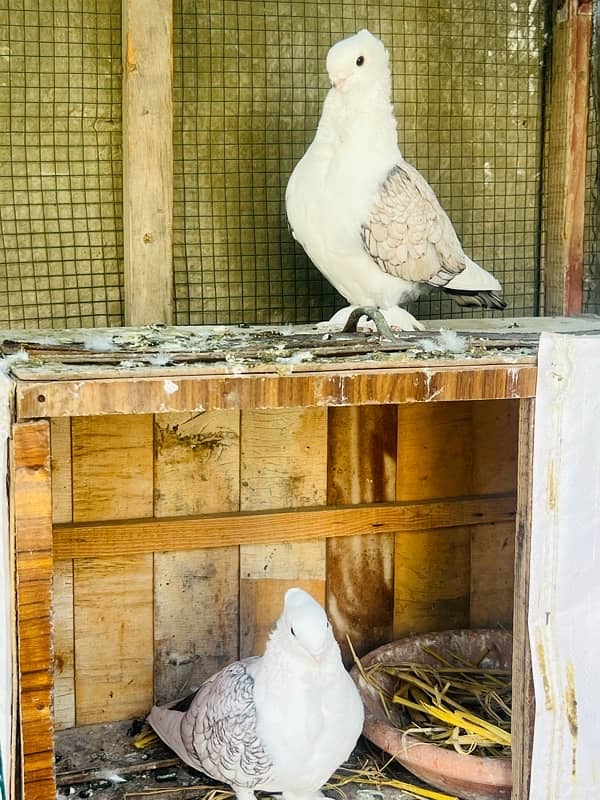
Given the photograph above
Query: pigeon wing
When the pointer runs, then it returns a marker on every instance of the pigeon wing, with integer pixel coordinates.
(219, 729)
(409, 234)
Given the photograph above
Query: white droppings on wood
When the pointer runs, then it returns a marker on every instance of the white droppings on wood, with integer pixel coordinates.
(170, 387)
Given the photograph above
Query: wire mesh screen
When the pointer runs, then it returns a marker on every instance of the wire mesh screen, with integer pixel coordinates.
(60, 163)
(592, 199)
(249, 83)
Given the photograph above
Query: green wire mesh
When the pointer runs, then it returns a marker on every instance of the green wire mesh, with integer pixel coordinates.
(249, 81)
(249, 84)
(60, 163)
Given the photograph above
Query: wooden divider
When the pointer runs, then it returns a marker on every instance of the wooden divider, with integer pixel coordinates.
(32, 517)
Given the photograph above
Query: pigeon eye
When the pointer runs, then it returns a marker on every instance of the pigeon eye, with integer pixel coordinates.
(360, 61)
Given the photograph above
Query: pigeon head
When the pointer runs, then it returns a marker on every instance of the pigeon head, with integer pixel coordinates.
(305, 623)
(358, 62)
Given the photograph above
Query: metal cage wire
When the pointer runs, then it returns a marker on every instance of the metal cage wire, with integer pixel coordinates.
(249, 81)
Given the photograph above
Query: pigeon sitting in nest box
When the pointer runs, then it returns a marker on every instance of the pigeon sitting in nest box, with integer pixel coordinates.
(367, 219)
(282, 722)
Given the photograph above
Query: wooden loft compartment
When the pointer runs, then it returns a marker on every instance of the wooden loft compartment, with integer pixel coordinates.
(384, 477)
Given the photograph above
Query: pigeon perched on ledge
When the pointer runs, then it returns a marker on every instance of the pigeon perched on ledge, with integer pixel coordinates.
(367, 219)
(282, 722)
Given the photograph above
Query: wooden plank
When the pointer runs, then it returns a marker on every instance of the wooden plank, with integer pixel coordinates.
(104, 539)
(523, 689)
(113, 600)
(62, 623)
(60, 441)
(62, 606)
(113, 647)
(283, 465)
(492, 575)
(196, 617)
(112, 467)
(148, 160)
(565, 158)
(31, 496)
(196, 471)
(133, 395)
(361, 469)
(431, 581)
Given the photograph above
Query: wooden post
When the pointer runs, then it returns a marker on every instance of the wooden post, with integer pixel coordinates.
(523, 692)
(148, 160)
(565, 158)
(31, 496)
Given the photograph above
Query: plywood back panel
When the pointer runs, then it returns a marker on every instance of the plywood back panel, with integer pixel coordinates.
(112, 467)
(62, 587)
(283, 465)
(168, 618)
(113, 598)
(113, 638)
(196, 598)
(360, 569)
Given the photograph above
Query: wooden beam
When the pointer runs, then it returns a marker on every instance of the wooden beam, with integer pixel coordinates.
(523, 691)
(148, 160)
(132, 395)
(31, 497)
(130, 537)
(565, 158)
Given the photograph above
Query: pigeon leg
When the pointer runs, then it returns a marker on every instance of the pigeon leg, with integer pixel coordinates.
(242, 793)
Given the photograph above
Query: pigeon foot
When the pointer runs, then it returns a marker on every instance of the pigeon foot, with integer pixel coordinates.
(369, 319)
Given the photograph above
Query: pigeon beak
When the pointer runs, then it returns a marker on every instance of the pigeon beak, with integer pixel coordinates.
(338, 83)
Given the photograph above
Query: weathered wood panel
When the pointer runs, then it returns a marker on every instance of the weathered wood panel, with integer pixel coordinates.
(32, 506)
(360, 569)
(196, 602)
(112, 467)
(349, 387)
(196, 617)
(523, 689)
(197, 463)
(283, 465)
(64, 657)
(565, 158)
(113, 599)
(62, 607)
(114, 645)
(431, 581)
(148, 160)
(99, 539)
(492, 575)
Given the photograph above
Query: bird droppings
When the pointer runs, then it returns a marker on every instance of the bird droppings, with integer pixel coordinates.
(572, 715)
(170, 387)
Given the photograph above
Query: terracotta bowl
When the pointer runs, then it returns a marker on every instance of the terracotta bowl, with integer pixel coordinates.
(468, 776)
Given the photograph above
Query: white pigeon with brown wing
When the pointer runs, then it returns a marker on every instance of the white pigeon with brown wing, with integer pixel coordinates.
(282, 722)
(367, 219)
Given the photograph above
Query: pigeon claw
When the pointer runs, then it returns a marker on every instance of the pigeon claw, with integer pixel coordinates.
(371, 313)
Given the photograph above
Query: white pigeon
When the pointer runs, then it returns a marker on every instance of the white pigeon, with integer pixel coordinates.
(282, 722)
(367, 219)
